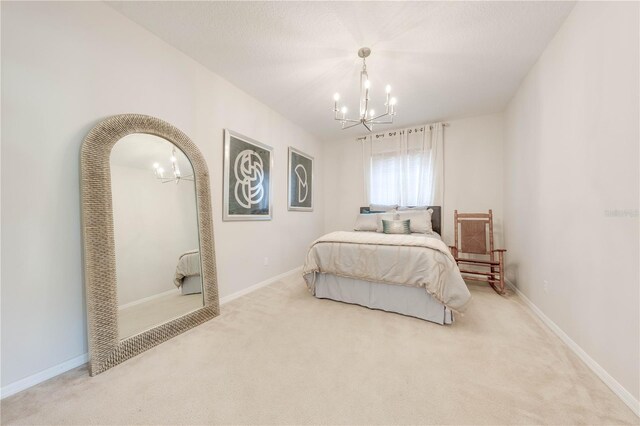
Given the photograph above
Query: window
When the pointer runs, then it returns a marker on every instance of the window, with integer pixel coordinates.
(403, 168)
(395, 178)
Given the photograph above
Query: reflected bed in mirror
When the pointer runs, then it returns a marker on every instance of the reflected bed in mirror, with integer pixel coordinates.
(156, 233)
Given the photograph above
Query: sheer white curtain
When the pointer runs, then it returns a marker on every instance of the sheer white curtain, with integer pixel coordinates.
(405, 167)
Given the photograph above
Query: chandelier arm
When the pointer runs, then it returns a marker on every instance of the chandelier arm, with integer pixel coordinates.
(378, 116)
(376, 121)
(351, 125)
(349, 120)
(365, 124)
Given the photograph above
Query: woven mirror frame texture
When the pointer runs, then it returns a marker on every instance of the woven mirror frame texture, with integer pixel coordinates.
(105, 347)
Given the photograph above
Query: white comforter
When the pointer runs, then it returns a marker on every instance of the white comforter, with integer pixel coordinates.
(409, 260)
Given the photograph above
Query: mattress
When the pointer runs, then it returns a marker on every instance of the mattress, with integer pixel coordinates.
(411, 301)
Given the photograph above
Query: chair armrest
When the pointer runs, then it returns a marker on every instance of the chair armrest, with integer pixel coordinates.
(453, 250)
(498, 250)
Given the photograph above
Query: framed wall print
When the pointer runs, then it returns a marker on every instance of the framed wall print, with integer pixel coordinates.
(247, 178)
(300, 181)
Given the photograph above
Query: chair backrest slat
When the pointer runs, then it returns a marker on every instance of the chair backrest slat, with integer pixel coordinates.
(484, 216)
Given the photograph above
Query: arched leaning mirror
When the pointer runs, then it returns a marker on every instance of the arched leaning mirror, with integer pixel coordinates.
(150, 270)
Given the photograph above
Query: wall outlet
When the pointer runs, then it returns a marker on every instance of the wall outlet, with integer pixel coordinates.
(545, 286)
(266, 261)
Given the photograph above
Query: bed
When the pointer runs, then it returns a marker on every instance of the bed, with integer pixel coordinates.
(412, 274)
(187, 276)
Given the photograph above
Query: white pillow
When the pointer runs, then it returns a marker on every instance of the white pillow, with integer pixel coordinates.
(366, 222)
(385, 216)
(420, 220)
(382, 207)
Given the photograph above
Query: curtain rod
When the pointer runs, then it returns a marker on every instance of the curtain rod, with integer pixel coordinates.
(393, 132)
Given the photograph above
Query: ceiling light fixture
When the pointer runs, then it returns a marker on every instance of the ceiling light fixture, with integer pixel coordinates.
(367, 115)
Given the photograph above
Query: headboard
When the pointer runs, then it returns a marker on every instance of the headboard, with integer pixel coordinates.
(436, 217)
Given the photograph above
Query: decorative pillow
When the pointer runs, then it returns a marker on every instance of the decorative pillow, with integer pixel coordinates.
(366, 222)
(396, 226)
(404, 208)
(384, 216)
(420, 220)
(382, 207)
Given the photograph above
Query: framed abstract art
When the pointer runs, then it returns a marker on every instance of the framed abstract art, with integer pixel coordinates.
(248, 166)
(300, 182)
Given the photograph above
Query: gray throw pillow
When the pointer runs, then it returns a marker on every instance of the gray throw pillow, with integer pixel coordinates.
(396, 226)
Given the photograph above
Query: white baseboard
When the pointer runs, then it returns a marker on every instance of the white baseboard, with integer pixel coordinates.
(261, 284)
(49, 373)
(27, 382)
(149, 298)
(608, 380)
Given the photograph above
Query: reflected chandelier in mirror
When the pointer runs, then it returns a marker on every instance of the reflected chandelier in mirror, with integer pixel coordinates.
(159, 171)
(149, 260)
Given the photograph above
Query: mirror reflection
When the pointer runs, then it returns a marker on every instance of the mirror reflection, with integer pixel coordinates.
(156, 233)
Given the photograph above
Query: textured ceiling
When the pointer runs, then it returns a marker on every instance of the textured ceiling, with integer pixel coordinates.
(443, 59)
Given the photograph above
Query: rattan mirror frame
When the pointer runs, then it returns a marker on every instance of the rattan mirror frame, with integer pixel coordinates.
(105, 348)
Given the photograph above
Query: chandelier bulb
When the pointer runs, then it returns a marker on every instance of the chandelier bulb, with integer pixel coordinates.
(393, 101)
(336, 97)
(156, 165)
(344, 110)
(372, 113)
(367, 84)
(388, 88)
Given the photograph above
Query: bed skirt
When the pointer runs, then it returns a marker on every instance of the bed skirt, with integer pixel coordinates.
(411, 301)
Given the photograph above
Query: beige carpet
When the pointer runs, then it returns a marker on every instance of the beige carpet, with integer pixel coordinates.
(280, 356)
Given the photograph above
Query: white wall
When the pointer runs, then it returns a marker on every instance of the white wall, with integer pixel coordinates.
(154, 223)
(473, 174)
(66, 66)
(571, 156)
(473, 170)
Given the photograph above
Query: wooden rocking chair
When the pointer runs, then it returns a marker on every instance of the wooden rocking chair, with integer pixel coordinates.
(474, 241)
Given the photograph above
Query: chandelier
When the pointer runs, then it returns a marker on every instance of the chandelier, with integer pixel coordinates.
(367, 115)
(175, 175)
